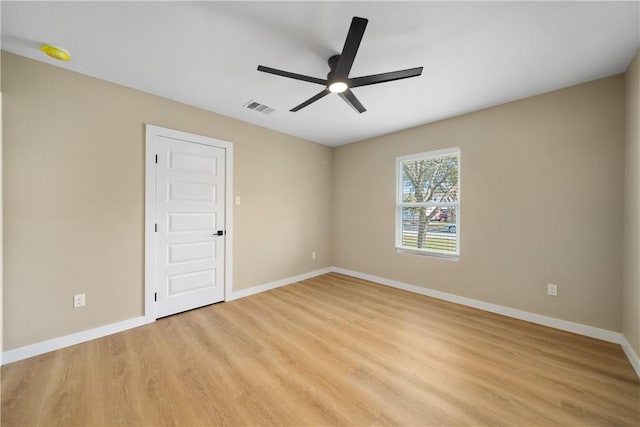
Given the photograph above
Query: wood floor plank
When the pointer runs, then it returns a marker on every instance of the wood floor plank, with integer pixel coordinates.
(332, 350)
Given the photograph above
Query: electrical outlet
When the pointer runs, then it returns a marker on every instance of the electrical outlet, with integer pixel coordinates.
(313, 255)
(552, 289)
(237, 200)
(79, 300)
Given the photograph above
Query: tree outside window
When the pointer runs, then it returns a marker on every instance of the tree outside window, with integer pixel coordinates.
(428, 200)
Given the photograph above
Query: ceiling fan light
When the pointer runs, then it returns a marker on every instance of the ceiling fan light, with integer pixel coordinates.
(338, 87)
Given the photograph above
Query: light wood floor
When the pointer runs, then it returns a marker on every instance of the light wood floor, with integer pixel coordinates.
(332, 350)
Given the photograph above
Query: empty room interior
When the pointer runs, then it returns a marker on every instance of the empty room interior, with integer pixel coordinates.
(320, 213)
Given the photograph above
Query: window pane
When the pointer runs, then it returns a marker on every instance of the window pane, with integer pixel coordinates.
(430, 180)
(429, 228)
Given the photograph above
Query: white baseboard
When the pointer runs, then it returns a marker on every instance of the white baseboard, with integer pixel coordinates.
(631, 355)
(90, 334)
(565, 325)
(278, 283)
(69, 340)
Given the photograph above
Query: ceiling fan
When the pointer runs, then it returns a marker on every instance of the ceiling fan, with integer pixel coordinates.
(338, 80)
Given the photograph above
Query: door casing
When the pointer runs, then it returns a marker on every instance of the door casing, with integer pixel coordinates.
(151, 149)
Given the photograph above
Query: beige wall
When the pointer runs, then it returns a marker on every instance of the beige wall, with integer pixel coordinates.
(1, 221)
(1, 241)
(631, 275)
(74, 198)
(541, 202)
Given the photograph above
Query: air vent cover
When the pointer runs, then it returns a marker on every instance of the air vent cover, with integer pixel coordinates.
(260, 108)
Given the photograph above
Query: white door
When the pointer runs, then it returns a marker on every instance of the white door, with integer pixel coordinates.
(190, 217)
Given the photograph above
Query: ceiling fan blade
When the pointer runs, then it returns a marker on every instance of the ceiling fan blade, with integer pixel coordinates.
(311, 100)
(351, 45)
(351, 99)
(291, 75)
(385, 77)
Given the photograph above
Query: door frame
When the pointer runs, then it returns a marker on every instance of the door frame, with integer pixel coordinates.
(152, 135)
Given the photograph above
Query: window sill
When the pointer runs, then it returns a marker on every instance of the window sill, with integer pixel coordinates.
(440, 255)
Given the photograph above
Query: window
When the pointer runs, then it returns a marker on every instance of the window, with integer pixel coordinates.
(428, 198)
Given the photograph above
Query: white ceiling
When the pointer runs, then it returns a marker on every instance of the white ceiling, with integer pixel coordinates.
(475, 54)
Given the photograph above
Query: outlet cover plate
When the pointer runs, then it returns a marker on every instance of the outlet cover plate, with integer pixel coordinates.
(79, 300)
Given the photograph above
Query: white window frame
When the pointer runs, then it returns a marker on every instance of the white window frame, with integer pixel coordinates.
(400, 204)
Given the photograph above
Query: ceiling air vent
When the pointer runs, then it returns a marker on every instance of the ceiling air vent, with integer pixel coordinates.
(260, 108)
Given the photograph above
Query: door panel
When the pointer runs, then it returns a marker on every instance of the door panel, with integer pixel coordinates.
(187, 282)
(191, 222)
(190, 208)
(189, 252)
(191, 191)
